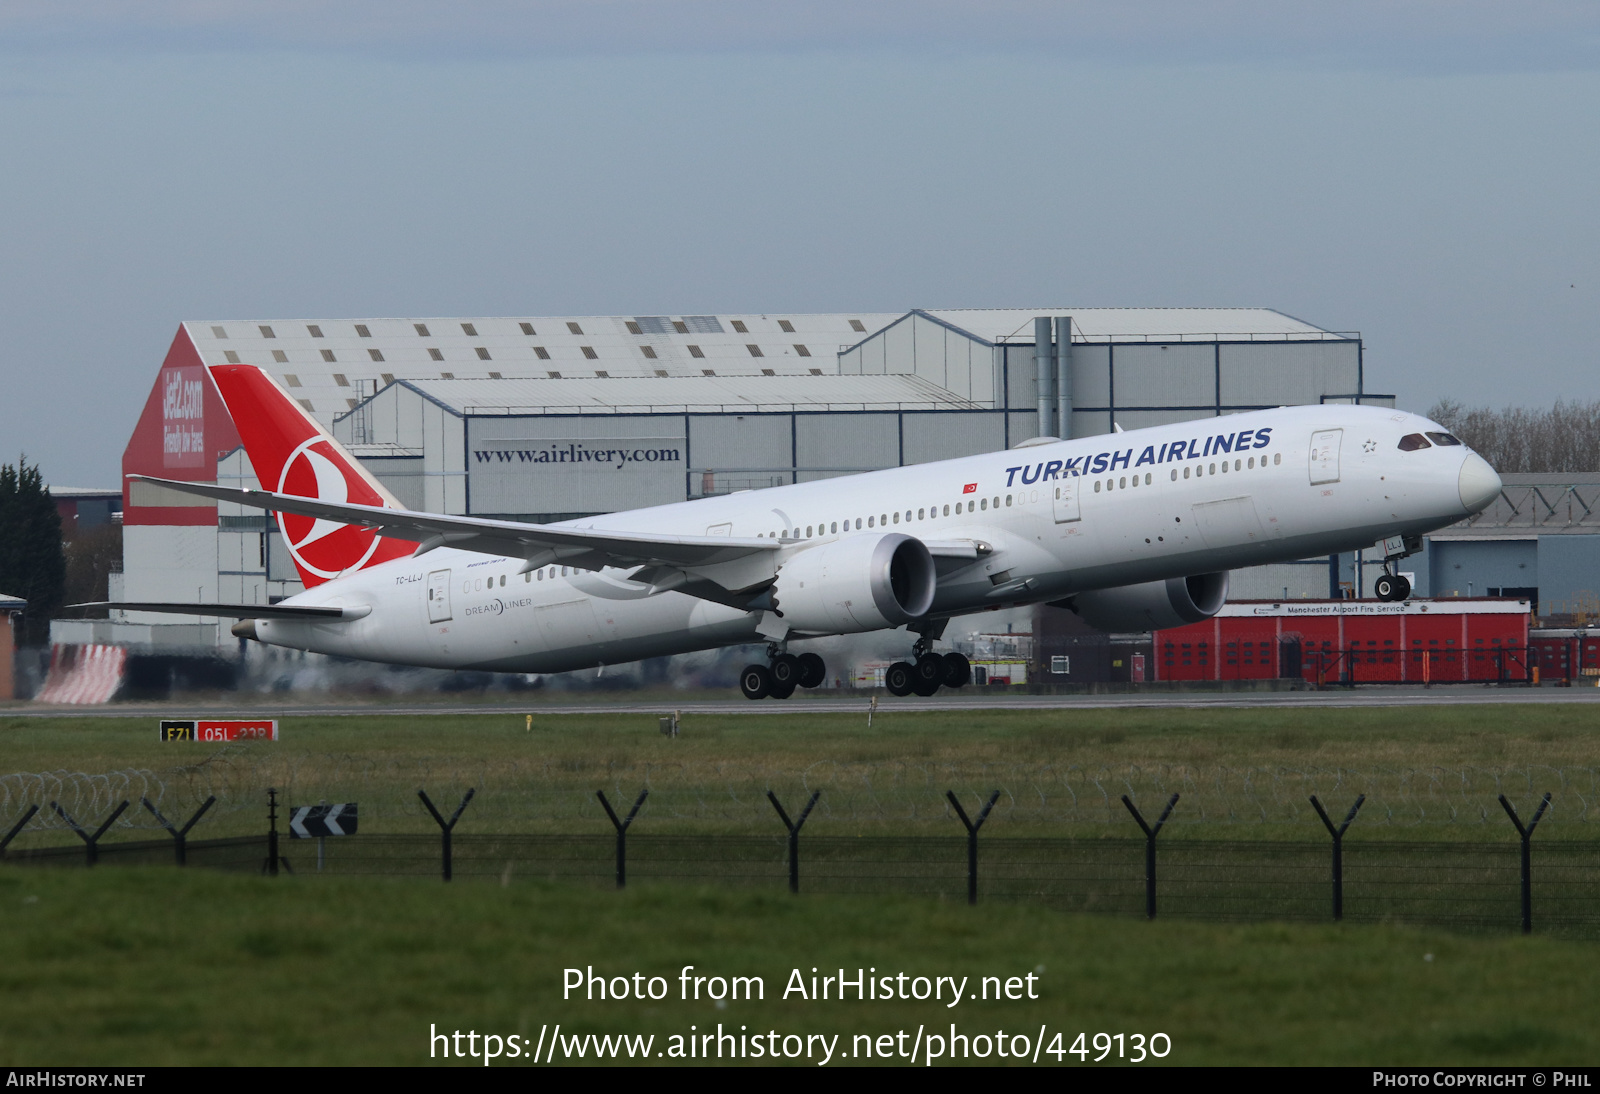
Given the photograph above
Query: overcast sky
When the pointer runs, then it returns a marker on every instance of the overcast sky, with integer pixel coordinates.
(1425, 173)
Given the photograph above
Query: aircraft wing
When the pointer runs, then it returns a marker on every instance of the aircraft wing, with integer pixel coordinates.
(239, 611)
(537, 544)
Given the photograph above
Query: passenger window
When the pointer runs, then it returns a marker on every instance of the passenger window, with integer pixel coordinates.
(897, 517)
(947, 510)
(1174, 474)
(1413, 442)
(502, 581)
(1236, 465)
(527, 577)
(834, 528)
(1096, 486)
(1277, 458)
(919, 513)
(541, 575)
(870, 521)
(883, 519)
(1252, 462)
(1185, 472)
(985, 503)
(1147, 478)
(1213, 470)
(1008, 501)
(908, 516)
(997, 501)
(1444, 440)
(858, 522)
(1122, 483)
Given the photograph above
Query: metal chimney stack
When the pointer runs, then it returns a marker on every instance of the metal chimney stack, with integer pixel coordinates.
(1044, 368)
(1064, 377)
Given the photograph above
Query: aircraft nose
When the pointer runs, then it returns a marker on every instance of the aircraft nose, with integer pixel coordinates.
(1479, 484)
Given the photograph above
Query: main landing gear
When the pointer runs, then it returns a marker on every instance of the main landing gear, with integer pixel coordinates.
(782, 674)
(927, 672)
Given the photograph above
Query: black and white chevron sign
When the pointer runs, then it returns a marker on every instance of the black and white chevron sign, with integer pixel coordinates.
(307, 821)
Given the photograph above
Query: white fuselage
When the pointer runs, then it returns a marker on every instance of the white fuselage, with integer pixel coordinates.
(1143, 505)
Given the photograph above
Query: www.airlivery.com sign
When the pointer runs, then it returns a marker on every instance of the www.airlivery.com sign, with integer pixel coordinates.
(616, 455)
(594, 474)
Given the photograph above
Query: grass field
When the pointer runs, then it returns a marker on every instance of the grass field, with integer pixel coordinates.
(1242, 773)
(157, 966)
(151, 965)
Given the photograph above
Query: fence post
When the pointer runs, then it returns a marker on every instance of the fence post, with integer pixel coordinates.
(1527, 856)
(270, 867)
(91, 844)
(622, 832)
(1338, 850)
(972, 839)
(1150, 850)
(445, 828)
(27, 816)
(180, 850)
(794, 835)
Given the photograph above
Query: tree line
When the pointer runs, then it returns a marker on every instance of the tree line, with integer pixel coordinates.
(32, 562)
(1519, 440)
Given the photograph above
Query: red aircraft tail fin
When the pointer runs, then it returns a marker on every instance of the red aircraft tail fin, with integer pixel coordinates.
(293, 454)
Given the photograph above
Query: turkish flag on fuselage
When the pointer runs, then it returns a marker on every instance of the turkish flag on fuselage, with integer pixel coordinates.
(293, 454)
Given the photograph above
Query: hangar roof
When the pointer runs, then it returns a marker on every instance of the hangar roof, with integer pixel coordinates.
(330, 365)
(1133, 324)
(687, 395)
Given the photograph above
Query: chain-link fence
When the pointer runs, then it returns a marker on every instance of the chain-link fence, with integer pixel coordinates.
(1464, 885)
(869, 798)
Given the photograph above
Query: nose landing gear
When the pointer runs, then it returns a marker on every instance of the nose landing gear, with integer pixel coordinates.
(1391, 587)
(782, 674)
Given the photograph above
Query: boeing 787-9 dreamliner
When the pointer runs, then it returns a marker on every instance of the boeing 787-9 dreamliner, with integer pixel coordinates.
(1132, 530)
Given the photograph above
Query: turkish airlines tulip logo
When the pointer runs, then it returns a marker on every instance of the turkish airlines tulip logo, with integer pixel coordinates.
(326, 548)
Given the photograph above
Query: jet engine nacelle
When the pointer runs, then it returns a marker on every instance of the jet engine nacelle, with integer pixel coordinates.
(859, 583)
(1154, 605)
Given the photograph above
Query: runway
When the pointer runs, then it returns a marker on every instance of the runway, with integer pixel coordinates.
(700, 703)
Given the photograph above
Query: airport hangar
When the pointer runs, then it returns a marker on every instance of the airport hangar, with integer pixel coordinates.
(489, 416)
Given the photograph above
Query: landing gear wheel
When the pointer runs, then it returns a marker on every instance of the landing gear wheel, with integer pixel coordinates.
(1391, 587)
(782, 691)
(785, 672)
(813, 670)
(957, 671)
(927, 674)
(755, 681)
(898, 678)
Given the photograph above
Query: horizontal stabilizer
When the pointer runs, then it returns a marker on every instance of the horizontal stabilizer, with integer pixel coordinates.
(241, 611)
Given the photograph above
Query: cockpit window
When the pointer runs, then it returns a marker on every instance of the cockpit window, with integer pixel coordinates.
(1442, 439)
(1411, 442)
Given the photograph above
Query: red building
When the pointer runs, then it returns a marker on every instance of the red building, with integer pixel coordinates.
(1566, 654)
(1457, 640)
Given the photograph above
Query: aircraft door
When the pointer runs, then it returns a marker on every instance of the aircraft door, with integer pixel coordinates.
(438, 596)
(1066, 503)
(1325, 455)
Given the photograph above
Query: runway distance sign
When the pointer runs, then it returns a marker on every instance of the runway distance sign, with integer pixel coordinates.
(219, 729)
